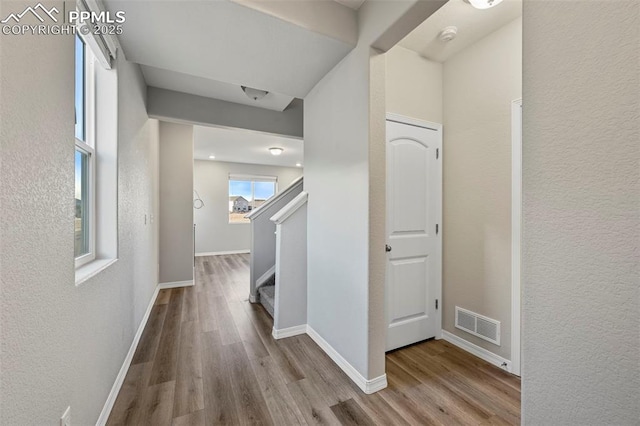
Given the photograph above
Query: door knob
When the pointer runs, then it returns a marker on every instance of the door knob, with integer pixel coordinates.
(387, 248)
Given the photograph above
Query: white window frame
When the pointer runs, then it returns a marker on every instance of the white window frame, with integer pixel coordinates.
(88, 146)
(253, 179)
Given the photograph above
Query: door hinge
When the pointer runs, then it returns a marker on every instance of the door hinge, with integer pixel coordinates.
(437, 228)
(437, 153)
(436, 303)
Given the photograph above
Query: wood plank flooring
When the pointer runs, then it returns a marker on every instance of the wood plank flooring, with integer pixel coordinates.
(207, 357)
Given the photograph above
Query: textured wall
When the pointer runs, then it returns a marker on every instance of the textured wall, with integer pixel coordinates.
(61, 344)
(479, 84)
(337, 180)
(377, 211)
(413, 85)
(581, 348)
(214, 233)
(176, 202)
(339, 144)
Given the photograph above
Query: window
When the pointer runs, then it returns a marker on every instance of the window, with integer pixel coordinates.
(247, 193)
(96, 153)
(84, 227)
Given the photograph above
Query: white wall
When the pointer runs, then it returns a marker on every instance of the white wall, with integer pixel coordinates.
(471, 95)
(337, 117)
(176, 202)
(169, 105)
(214, 233)
(480, 82)
(61, 344)
(290, 307)
(337, 180)
(581, 174)
(413, 85)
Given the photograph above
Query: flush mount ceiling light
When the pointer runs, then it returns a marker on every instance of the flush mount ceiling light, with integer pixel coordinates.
(255, 94)
(483, 4)
(298, 165)
(212, 157)
(447, 34)
(275, 151)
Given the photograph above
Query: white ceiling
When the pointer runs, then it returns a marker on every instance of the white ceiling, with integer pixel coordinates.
(473, 24)
(245, 146)
(227, 43)
(179, 82)
(353, 4)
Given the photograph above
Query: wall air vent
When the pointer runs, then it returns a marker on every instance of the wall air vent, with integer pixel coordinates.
(478, 325)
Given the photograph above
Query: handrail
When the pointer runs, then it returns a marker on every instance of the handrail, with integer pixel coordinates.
(291, 208)
(257, 212)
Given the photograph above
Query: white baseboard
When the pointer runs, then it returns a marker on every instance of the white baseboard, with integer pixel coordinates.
(289, 331)
(115, 389)
(367, 386)
(222, 253)
(264, 277)
(476, 350)
(176, 284)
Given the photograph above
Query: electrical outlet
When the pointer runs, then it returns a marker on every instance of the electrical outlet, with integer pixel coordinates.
(65, 420)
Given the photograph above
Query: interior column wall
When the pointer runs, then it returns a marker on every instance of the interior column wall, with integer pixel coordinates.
(176, 202)
(343, 116)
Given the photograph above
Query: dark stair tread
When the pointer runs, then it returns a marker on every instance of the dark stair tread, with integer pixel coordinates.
(267, 296)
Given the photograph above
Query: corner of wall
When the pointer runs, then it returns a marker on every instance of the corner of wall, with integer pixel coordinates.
(377, 214)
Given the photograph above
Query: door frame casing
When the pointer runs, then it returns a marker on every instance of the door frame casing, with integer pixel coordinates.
(438, 128)
(516, 233)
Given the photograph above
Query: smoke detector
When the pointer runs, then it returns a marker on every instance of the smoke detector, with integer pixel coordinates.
(483, 4)
(447, 34)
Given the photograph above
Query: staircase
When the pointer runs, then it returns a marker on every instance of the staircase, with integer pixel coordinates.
(267, 293)
(263, 237)
(278, 269)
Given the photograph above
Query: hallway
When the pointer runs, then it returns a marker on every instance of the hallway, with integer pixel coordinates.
(207, 357)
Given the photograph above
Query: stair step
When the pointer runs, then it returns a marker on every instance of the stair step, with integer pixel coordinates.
(267, 295)
(271, 281)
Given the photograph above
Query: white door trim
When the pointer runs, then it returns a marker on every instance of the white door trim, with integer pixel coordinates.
(516, 231)
(415, 122)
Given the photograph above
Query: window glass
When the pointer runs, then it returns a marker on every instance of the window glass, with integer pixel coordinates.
(262, 192)
(80, 89)
(81, 227)
(246, 195)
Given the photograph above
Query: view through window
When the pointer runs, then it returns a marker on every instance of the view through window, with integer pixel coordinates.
(84, 160)
(247, 193)
(81, 156)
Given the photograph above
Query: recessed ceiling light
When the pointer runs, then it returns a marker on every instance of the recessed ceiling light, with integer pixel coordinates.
(298, 165)
(276, 151)
(212, 157)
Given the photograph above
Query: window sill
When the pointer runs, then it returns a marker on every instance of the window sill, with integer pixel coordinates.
(91, 269)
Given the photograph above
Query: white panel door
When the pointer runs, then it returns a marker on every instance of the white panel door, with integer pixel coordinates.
(414, 237)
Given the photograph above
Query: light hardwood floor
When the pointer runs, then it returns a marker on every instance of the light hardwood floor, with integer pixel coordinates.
(207, 357)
